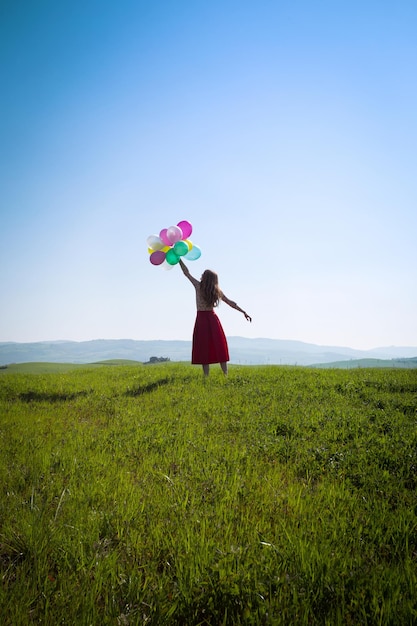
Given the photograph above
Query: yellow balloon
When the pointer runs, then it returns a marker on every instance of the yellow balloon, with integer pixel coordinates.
(189, 244)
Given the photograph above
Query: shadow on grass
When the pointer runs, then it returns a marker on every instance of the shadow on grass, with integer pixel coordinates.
(50, 396)
(148, 388)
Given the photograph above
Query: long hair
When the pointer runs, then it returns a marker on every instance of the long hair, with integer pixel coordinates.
(209, 286)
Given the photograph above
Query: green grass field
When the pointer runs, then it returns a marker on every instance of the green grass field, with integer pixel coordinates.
(137, 494)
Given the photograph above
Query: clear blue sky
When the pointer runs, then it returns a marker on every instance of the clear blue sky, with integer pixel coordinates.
(285, 132)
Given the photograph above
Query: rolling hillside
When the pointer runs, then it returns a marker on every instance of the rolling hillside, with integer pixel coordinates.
(242, 351)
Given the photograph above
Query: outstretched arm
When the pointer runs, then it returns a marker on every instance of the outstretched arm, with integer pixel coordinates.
(235, 306)
(186, 272)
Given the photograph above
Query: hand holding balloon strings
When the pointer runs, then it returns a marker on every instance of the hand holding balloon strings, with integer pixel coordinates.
(172, 244)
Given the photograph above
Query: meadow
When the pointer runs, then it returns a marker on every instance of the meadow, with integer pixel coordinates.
(135, 494)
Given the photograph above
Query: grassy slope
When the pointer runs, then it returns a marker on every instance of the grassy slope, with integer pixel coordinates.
(54, 368)
(147, 495)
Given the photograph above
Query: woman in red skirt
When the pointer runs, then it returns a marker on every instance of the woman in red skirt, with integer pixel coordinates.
(209, 340)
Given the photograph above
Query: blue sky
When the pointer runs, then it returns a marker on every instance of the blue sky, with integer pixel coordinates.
(285, 132)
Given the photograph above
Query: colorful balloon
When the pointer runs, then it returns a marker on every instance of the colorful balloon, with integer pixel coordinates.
(163, 235)
(171, 244)
(157, 257)
(154, 242)
(174, 234)
(171, 257)
(193, 254)
(186, 228)
(180, 248)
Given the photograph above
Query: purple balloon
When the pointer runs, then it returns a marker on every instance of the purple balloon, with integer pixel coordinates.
(157, 257)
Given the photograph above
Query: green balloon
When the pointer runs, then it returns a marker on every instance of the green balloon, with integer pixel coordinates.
(171, 257)
(180, 248)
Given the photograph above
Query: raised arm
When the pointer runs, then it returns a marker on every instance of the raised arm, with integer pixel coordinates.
(186, 272)
(235, 306)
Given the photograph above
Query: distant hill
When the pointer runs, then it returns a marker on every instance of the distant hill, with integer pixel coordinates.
(355, 363)
(242, 350)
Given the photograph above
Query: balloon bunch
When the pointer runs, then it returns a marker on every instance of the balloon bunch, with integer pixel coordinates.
(171, 244)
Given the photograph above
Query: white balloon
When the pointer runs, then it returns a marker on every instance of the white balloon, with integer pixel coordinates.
(154, 242)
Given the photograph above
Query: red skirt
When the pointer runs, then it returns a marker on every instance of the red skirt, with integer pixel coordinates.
(209, 340)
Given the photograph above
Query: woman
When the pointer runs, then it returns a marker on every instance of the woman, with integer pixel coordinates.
(209, 340)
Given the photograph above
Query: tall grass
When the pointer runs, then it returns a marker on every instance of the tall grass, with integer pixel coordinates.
(147, 495)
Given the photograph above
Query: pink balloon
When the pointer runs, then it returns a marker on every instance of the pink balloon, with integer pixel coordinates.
(174, 234)
(157, 257)
(186, 228)
(163, 235)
